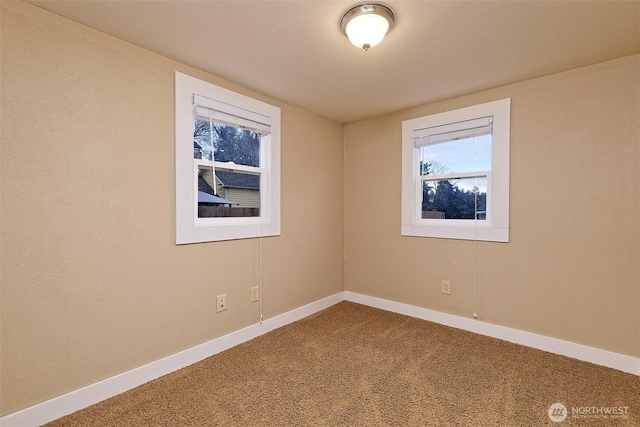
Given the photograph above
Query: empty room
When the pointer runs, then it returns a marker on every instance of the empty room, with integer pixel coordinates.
(319, 213)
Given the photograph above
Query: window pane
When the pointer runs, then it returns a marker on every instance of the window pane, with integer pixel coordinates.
(230, 144)
(464, 198)
(236, 194)
(202, 140)
(462, 155)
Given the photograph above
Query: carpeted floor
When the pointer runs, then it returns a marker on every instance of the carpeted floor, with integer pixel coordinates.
(352, 365)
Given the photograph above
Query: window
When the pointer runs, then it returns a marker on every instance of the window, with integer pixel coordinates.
(227, 164)
(455, 174)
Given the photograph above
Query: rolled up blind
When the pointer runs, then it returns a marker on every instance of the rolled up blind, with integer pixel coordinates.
(452, 131)
(230, 115)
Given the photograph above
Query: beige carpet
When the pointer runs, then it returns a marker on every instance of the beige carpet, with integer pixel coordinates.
(352, 365)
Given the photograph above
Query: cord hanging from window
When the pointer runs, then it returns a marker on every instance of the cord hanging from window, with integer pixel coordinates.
(261, 273)
(213, 156)
(476, 192)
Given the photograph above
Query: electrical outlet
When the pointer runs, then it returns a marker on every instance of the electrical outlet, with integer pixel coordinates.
(255, 293)
(446, 287)
(221, 303)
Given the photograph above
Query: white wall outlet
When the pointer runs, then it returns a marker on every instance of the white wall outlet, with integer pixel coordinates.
(221, 303)
(255, 293)
(446, 287)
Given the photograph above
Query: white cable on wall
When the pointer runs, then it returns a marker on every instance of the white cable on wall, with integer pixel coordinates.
(475, 277)
(260, 273)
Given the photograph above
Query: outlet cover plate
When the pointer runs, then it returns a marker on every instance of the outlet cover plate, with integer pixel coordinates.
(446, 287)
(255, 293)
(221, 303)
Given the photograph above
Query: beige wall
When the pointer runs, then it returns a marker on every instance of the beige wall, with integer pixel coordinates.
(92, 283)
(570, 270)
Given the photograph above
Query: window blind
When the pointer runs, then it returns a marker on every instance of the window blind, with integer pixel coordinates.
(229, 115)
(452, 131)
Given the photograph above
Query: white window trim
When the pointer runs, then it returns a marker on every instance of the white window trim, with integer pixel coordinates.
(496, 227)
(189, 228)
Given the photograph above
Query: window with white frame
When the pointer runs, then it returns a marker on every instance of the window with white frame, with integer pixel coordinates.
(227, 164)
(455, 173)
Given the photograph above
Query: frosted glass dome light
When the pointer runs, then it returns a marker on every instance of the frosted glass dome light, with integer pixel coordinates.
(367, 24)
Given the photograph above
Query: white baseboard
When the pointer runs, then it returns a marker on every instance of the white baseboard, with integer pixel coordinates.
(585, 353)
(68, 403)
(78, 399)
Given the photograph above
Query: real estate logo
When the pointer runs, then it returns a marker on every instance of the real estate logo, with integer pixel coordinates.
(557, 412)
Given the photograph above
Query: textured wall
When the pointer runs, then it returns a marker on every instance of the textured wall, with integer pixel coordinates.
(92, 283)
(570, 270)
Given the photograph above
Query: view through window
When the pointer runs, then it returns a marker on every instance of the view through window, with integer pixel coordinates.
(224, 191)
(454, 178)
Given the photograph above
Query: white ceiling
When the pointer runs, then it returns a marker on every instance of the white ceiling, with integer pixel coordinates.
(294, 51)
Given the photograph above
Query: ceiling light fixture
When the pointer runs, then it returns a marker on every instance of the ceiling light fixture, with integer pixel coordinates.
(366, 24)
